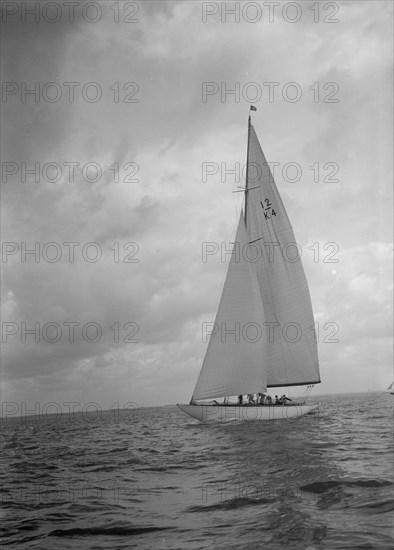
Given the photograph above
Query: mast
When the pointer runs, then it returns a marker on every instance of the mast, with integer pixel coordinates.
(247, 168)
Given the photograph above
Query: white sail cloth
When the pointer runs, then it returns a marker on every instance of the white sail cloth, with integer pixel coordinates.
(291, 351)
(233, 361)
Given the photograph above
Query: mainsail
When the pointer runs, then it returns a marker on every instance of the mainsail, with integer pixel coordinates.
(265, 288)
(233, 363)
(291, 357)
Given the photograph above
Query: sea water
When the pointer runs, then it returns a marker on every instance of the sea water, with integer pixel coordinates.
(154, 478)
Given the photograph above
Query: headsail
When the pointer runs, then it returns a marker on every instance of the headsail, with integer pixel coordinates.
(291, 356)
(235, 357)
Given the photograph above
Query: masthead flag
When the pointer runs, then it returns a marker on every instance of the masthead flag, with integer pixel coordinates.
(253, 108)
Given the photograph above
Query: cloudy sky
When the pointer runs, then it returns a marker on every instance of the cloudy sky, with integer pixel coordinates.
(119, 132)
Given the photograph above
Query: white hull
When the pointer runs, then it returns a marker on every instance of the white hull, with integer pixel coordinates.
(227, 413)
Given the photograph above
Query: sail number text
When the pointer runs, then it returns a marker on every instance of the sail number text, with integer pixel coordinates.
(267, 208)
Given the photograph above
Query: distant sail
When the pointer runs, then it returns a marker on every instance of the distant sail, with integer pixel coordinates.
(291, 358)
(233, 362)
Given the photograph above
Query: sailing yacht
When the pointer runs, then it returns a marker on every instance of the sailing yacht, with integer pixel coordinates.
(263, 335)
(391, 388)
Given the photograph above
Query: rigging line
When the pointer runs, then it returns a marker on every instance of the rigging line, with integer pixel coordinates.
(216, 310)
(238, 207)
(232, 237)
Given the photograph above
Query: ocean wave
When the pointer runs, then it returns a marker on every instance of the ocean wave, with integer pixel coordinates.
(230, 504)
(322, 486)
(118, 531)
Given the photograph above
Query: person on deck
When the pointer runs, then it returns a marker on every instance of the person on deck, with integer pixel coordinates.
(268, 400)
(284, 399)
(261, 398)
(277, 401)
(251, 399)
(240, 399)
